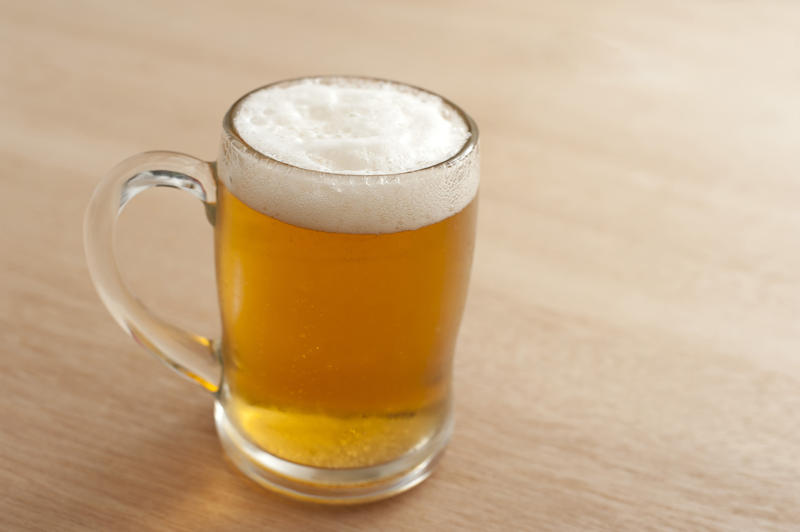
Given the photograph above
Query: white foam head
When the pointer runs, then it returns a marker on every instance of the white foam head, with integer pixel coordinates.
(360, 155)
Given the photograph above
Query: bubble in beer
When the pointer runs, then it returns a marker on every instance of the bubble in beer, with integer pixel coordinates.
(351, 126)
(342, 140)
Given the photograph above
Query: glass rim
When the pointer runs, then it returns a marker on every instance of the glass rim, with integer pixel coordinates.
(468, 146)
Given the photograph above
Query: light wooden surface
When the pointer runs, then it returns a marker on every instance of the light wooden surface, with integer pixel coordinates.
(630, 355)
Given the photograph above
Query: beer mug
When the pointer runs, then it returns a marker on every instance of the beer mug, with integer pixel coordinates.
(341, 287)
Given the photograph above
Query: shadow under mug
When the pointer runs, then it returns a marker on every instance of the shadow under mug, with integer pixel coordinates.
(340, 299)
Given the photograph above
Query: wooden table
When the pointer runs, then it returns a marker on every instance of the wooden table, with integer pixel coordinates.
(630, 355)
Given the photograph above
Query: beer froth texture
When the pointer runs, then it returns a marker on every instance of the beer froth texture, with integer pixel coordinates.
(360, 154)
(358, 127)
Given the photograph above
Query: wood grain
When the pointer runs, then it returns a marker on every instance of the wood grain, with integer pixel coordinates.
(630, 356)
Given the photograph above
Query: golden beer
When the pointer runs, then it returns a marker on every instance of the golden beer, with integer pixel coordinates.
(337, 347)
(344, 213)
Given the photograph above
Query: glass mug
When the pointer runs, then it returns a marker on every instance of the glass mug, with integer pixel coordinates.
(332, 379)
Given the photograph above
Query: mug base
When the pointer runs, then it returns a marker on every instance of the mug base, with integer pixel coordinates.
(326, 485)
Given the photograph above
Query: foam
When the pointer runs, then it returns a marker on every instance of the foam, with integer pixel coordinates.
(361, 155)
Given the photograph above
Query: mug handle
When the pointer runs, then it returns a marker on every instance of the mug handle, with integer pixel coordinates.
(191, 355)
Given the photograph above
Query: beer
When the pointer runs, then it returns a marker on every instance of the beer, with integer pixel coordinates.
(344, 213)
(343, 255)
(338, 346)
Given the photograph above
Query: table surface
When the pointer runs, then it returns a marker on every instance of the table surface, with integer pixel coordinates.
(630, 354)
